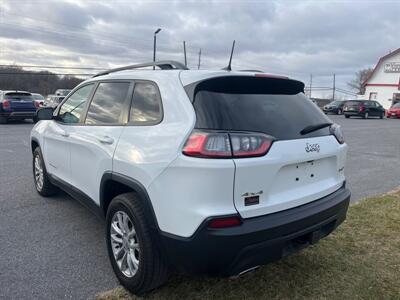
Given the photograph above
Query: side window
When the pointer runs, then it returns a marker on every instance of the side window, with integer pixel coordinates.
(146, 106)
(71, 110)
(107, 104)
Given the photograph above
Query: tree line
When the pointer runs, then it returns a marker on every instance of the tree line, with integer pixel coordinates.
(42, 82)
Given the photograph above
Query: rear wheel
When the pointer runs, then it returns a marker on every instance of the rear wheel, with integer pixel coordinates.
(347, 116)
(382, 115)
(42, 183)
(132, 248)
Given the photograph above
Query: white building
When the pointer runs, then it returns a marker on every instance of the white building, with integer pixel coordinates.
(383, 84)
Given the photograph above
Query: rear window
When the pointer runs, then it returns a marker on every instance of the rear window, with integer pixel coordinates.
(353, 103)
(397, 105)
(38, 97)
(18, 96)
(273, 106)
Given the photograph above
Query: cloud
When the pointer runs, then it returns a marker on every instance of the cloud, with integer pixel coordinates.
(287, 37)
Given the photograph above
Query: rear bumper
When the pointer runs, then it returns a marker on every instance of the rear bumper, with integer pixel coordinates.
(330, 110)
(18, 115)
(258, 240)
(358, 114)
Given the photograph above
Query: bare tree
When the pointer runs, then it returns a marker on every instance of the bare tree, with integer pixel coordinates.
(357, 82)
(43, 82)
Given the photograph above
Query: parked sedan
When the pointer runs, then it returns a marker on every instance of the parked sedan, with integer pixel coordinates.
(394, 111)
(335, 107)
(17, 105)
(363, 109)
(38, 98)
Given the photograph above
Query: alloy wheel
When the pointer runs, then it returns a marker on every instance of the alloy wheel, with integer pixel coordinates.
(124, 244)
(38, 173)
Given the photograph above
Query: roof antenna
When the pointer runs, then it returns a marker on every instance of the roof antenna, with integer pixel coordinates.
(228, 67)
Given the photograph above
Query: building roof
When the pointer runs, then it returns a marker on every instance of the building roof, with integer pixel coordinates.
(379, 62)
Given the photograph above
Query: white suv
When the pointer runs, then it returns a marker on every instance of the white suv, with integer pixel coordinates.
(211, 172)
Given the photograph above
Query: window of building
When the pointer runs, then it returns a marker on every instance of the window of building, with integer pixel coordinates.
(373, 96)
(107, 104)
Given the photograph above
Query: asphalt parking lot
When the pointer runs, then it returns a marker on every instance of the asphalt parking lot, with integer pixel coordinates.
(54, 248)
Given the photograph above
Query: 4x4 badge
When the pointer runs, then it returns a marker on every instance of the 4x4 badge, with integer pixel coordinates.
(312, 147)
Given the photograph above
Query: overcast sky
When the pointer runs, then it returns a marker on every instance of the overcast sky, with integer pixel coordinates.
(294, 38)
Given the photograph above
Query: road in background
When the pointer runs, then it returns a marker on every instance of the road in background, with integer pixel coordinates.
(373, 158)
(54, 248)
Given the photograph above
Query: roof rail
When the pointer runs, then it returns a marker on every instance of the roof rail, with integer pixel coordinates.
(163, 65)
(255, 71)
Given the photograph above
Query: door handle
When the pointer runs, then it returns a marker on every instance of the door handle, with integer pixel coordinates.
(64, 134)
(106, 140)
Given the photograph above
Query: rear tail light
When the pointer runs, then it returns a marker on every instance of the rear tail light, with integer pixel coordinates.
(336, 130)
(227, 145)
(6, 104)
(361, 108)
(225, 222)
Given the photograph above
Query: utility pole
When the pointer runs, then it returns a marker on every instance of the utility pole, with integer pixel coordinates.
(334, 86)
(310, 85)
(154, 46)
(198, 66)
(184, 52)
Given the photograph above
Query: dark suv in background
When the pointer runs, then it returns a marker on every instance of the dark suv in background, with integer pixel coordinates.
(335, 107)
(363, 109)
(17, 105)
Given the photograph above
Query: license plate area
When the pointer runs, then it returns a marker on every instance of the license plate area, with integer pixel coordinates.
(305, 172)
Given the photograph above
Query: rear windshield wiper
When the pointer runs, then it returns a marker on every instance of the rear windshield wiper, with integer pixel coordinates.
(315, 127)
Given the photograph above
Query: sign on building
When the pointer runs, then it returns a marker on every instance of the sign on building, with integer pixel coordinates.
(392, 67)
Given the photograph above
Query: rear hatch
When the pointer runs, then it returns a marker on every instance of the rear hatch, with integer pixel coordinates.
(299, 166)
(352, 106)
(20, 101)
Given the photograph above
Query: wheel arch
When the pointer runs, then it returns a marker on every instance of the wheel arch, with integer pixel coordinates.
(114, 184)
(34, 144)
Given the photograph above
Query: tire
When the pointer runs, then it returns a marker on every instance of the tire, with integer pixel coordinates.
(365, 116)
(35, 120)
(382, 116)
(339, 111)
(43, 186)
(347, 116)
(149, 269)
(3, 120)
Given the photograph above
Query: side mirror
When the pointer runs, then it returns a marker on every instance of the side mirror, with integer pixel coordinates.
(45, 113)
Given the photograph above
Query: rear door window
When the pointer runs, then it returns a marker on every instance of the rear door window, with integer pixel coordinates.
(277, 107)
(146, 108)
(108, 102)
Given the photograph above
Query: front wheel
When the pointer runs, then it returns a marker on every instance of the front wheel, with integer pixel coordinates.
(133, 251)
(42, 183)
(382, 116)
(347, 116)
